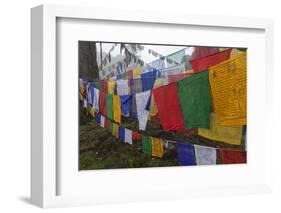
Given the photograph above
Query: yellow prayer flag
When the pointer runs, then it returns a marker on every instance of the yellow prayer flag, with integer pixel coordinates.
(116, 108)
(137, 72)
(111, 86)
(157, 147)
(92, 111)
(115, 129)
(229, 92)
(226, 134)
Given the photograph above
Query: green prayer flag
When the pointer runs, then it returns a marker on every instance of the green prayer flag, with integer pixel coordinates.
(146, 144)
(97, 84)
(195, 100)
(109, 106)
(110, 128)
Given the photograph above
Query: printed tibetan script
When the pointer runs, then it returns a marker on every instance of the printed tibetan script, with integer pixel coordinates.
(229, 92)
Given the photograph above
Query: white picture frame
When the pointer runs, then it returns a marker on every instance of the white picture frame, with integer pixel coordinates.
(44, 147)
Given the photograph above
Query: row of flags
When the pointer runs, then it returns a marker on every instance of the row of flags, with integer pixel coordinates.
(185, 104)
(187, 154)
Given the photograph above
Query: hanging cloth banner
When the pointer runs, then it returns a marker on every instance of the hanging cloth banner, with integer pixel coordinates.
(96, 99)
(102, 102)
(102, 121)
(98, 118)
(91, 93)
(130, 74)
(136, 72)
(104, 86)
(115, 129)
(204, 63)
(177, 77)
(148, 79)
(135, 85)
(201, 52)
(233, 156)
(195, 100)
(168, 105)
(116, 108)
(128, 136)
(226, 134)
(122, 87)
(146, 144)
(121, 134)
(176, 57)
(141, 102)
(111, 86)
(85, 103)
(133, 111)
(126, 102)
(185, 154)
(136, 136)
(109, 106)
(157, 147)
(228, 85)
(205, 155)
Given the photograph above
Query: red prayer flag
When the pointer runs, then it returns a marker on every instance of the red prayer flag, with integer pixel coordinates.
(201, 52)
(102, 102)
(130, 74)
(136, 136)
(104, 86)
(204, 63)
(106, 123)
(167, 102)
(177, 77)
(233, 156)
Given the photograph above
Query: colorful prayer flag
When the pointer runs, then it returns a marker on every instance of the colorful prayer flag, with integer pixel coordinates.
(185, 154)
(141, 102)
(195, 100)
(109, 106)
(233, 156)
(226, 134)
(146, 144)
(205, 155)
(102, 101)
(228, 86)
(168, 105)
(128, 136)
(204, 63)
(157, 147)
(116, 108)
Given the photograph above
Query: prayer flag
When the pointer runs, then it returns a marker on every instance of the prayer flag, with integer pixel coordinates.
(141, 102)
(157, 147)
(115, 129)
(195, 100)
(122, 87)
(128, 136)
(125, 104)
(102, 102)
(233, 156)
(228, 86)
(148, 79)
(98, 118)
(226, 134)
(204, 63)
(185, 154)
(109, 106)
(136, 136)
(116, 108)
(102, 120)
(205, 155)
(136, 72)
(121, 134)
(111, 86)
(146, 144)
(168, 105)
(201, 52)
(96, 99)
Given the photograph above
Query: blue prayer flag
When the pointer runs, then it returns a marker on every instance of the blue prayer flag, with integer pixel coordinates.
(121, 134)
(148, 79)
(186, 155)
(125, 104)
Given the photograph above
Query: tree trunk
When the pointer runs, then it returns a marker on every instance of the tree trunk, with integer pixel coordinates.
(88, 67)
